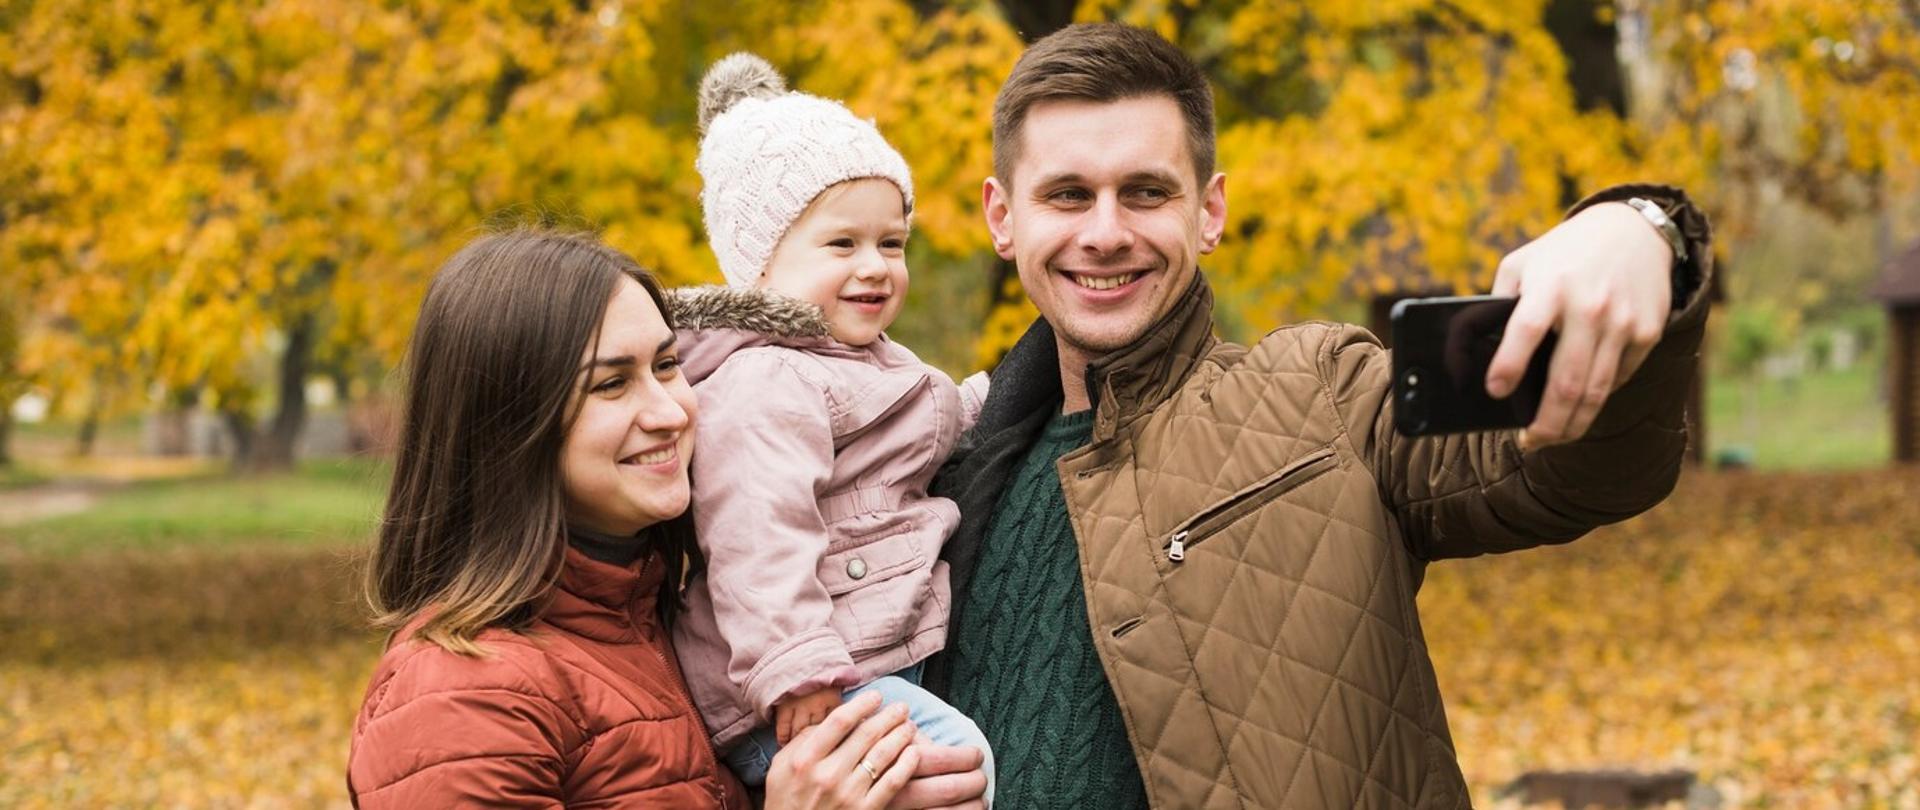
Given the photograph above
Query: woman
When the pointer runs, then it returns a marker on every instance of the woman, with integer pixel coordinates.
(528, 562)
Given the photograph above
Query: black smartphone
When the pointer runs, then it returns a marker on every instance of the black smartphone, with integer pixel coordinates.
(1441, 350)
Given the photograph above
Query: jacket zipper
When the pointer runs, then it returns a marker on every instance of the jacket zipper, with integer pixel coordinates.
(680, 687)
(1206, 524)
(712, 756)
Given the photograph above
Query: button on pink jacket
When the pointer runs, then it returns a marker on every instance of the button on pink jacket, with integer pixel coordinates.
(810, 471)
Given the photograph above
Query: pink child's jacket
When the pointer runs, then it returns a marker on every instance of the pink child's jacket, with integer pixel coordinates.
(810, 470)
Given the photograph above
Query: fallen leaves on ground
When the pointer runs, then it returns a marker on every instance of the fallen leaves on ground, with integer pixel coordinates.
(202, 678)
(1763, 631)
(266, 729)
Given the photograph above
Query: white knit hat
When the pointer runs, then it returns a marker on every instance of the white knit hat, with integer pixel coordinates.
(766, 153)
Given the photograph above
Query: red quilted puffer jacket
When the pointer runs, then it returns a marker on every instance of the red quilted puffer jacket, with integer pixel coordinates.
(585, 708)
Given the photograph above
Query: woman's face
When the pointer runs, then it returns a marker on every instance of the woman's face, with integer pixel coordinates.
(624, 463)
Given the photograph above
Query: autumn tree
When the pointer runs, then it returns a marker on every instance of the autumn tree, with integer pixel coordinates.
(14, 287)
(1374, 146)
(1811, 103)
(216, 202)
(233, 197)
(20, 200)
(67, 249)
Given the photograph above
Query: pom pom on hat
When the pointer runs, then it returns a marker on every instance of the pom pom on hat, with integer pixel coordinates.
(765, 153)
(742, 75)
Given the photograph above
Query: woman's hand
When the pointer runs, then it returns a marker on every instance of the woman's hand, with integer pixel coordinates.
(856, 758)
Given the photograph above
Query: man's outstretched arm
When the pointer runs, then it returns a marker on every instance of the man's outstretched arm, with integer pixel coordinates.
(1608, 440)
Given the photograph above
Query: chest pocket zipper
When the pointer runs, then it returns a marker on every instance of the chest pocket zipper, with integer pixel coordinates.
(1198, 528)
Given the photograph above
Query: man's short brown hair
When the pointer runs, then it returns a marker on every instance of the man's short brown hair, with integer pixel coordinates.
(1102, 62)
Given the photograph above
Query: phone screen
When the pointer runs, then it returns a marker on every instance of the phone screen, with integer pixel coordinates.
(1441, 350)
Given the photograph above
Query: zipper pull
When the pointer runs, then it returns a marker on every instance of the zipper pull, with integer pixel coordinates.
(1177, 550)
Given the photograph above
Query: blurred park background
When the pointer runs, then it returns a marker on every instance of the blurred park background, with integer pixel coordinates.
(217, 220)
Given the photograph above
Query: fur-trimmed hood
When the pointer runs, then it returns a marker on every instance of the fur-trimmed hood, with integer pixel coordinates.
(746, 308)
(712, 322)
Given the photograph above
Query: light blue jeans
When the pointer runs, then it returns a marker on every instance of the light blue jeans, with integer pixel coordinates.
(750, 758)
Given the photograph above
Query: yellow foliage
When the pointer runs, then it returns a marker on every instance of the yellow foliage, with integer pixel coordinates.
(187, 180)
(1369, 143)
(205, 176)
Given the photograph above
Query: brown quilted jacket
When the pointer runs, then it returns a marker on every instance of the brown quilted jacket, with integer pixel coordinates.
(584, 709)
(1281, 663)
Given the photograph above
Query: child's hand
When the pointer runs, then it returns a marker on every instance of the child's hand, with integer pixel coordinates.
(795, 714)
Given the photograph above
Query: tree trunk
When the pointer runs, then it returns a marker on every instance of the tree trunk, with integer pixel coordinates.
(359, 438)
(89, 425)
(1004, 272)
(1036, 19)
(275, 450)
(9, 373)
(6, 433)
(172, 424)
(168, 432)
(1592, 48)
(342, 386)
(240, 428)
(89, 433)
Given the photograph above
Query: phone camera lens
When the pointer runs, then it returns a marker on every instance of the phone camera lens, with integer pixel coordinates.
(1413, 416)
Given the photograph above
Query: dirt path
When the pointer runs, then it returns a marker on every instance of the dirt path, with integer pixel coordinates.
(27, 505)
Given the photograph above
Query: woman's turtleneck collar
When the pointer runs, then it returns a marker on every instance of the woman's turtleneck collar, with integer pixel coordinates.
(612, 549)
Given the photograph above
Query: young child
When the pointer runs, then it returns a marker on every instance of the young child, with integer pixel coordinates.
(819, 436)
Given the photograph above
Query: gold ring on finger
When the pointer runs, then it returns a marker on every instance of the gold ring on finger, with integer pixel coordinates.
(871, 773)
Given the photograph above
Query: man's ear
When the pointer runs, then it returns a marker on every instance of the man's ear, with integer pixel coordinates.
(994, 203)
(1213, 213)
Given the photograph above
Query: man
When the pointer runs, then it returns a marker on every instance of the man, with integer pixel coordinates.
(1186, 570)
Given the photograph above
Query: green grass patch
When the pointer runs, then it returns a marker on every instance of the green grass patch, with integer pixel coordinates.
(1821, 420)
(61, 436)
(17, 475)
(322, 504)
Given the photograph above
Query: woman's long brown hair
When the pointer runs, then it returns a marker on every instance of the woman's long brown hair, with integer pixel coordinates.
(474, 531)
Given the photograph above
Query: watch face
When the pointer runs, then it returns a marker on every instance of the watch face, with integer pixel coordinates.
(1662, 223)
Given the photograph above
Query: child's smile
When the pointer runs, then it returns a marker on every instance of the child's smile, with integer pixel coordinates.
(847, 255)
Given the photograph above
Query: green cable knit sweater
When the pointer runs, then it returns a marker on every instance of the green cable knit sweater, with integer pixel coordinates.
(1024, 665)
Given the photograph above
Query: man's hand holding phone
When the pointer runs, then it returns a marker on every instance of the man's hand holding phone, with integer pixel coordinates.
(1602, 281)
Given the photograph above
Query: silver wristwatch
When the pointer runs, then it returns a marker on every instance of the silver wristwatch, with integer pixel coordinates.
(1662, 223)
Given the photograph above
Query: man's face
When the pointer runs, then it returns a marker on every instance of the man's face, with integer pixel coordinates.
(1104, 218)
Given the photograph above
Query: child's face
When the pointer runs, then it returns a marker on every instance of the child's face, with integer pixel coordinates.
(847, 255)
